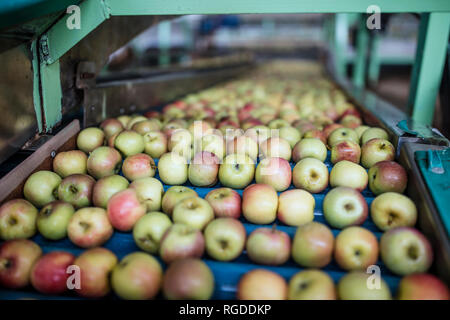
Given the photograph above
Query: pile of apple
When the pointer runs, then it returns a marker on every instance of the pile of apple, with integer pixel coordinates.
(262, 142)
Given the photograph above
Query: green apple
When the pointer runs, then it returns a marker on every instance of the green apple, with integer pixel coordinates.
(106, 187)
(17, 219)
(354, 286)
(275, 172)
(348, 174)
(194, 212)
(76, 189)
(149, 229)
(376, 150)
(360, 130)
(181, 241)
(203, 169)
(134, 120)
(89, 227)
(311, 175)
(149, 191)
(90, 138)
(53, 219)
(391, 210)
(174, 195)
(243, 145)
(41, 188)
(225, 239)
(70, 162)
(342, 134)
(104, 161)
(155, 144)
(275, 147)
(259, 203)
(236, 171)
(290, 134)
(373, 133)
(129, 143)
(309, 148)
(268, 246)
(312, 284)
(295, 207)
(110, 127)
(262, 284)
(173, 169)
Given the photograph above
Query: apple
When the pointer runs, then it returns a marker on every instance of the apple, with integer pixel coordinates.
(268, 246)
(138, 166)
(146, 126)
(258, 133)
(149, 229)
(243, 145)
(111, 126)
(76, 189)
(346, 150)
(17, 219)
(199, 128)
(173, 168)
(70, 162)
(348, 174)
(376, 150)
(124, 209)
(124, 119)
(342, 134)
(245, 112)
(236, 171)
(89, 139)
(311, 284)
(106, 187)
(275, 172)
(155, 144)
(49, 273)
(262, 284)
(405, 250)
(203, 169)
(17, 257)
(149, 191)
(134, 120)
(387, 176)
(95, 265)
(354, 286)
(225, 202)
(111, 140)
(213, 143)
(373, 133)
(290, 134)
(313, 245)
(188, 279)
(53, 219)
(194, 212)
(351, 121)
(311, 175)
(295, 207)
(344, 206)
(278, 124)
(180, 140)
(330, 128)
(391, 210)
(422, 286)
(129, 143)
(315, 134)
(360, 130)
(181, 241)
(41, 188)
(275, 147)
(138, 276)
(309, 148)
(174, 195)
(89, 227)
(153, 114)
(225, 239)
(260, 203)
(103, 162)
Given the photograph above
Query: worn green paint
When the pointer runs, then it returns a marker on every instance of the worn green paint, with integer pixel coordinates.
(164, 31)
(51, 94)
(362, 43)
(340, 43)
(428, 67)
(374, 59)
(36, 91)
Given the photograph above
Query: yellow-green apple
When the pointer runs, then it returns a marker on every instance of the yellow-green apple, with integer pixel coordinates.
(356, 248)
(344, 206)
(350, 121)
(346, 150)
(243, 145)
(315, 134)
(173, 195)
(129, 142)
(41, 188)
(258, 133)
(312, 284)
(303, 126)
(103, 162)
(309, 148)
(49, 273)
(225, 202)
(149, 191)
(295, 207)
(17, 257)
(330, 128)
(149, 229)
(135, 119)
(262, 284)
(260, 203)
(278, 124)
(203, 169)
(194, 212)
(110, 127)
(17, 219)
(213, 143)
(106, 187)
(373, 133)
(124, 119)
(342, 134)
(138, 276)
(89, 139)
(146, 126)
(391, 210)
(199, 128)
(155, 144)
(387, 176)
(275, 172)
(275, 147)
(225, 239)
(236, 171)
(53, 219)
(70, 162)
(95, 265)
(89, 227)
(348, 174)
(311, 175)
(110, 141)
(76, 189)
(245, 112)
(268, 246)
(354, 286)
(376, 150)
(290, 134)
(360, 130)
(313, 245)
(188, 279)
(124, 209)
(173, 168)
(422, 286)
(179, 139)
(138, 166)
(406, 250)
(181, 241)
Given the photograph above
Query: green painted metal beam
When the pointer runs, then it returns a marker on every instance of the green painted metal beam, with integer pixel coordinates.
(427, 71)
(164, 31)
(51, 94)
(340, 44)
(374, 59)
(36, 81)
(362, 47)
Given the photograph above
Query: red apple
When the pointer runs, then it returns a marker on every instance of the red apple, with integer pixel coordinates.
(345, 150)
(422, 286)
(225, 202)
(315, 134)
(330, 128)
(260, 203)
(181, 241)
(275, 172)
(124, 209)
(111, 126)
(387, 176)
(268, 246)
(138, 166)
(89, 227)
